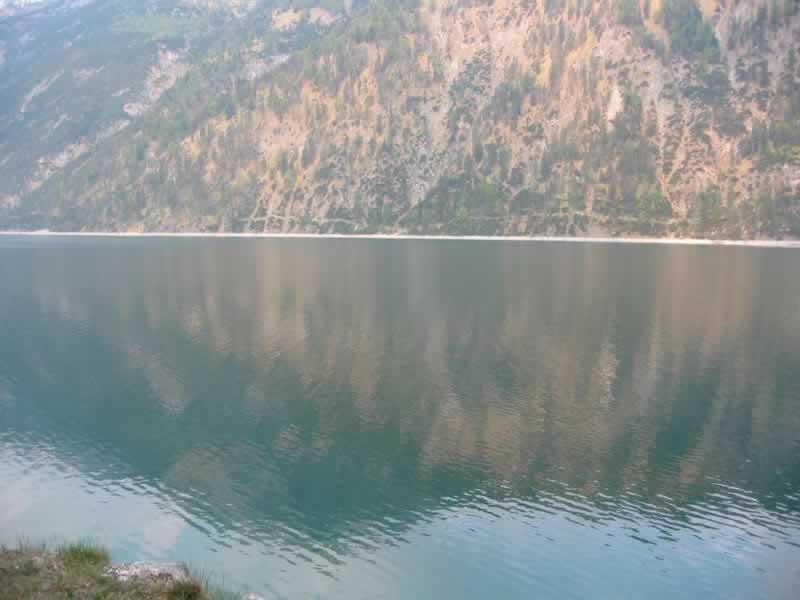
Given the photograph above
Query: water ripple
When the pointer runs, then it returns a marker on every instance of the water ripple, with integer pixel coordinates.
(359, 420)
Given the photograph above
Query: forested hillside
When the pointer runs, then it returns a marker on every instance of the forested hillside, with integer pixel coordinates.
(497, 117)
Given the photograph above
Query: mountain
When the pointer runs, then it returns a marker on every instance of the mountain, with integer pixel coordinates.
(497, 117)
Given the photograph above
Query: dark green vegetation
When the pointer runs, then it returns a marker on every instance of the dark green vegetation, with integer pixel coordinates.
(77, 571)
(160, 27)
(616, 117)
(690, 34)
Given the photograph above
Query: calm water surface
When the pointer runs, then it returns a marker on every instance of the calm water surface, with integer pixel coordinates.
(386, 419)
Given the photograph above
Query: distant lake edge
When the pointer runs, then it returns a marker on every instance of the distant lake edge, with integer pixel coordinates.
(401, 237)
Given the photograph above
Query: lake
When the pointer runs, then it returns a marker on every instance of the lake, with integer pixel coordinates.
(356, 419)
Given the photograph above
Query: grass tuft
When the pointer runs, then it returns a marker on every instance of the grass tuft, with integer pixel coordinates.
(185, 590)
(27, 546)
(83, 554)
(213, 587)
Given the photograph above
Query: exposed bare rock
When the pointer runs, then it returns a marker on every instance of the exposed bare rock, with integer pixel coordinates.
(149, 570)
(164, 74)
(53, 125)
(161, 77)
(321, 17)
(9, 201)
(258, 67)
(38, 89)
(134, 109)
(86, 74)
(51, 164)
(286, 20)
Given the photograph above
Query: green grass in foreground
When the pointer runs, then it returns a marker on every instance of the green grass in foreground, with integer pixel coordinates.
(83, 555)
(77, 572)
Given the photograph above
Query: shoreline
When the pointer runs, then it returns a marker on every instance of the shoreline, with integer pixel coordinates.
(84, 569)
(402, 237)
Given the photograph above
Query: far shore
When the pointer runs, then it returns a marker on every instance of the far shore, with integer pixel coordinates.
(404, 237)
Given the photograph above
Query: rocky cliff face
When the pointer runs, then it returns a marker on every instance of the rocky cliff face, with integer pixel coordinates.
(524, 117)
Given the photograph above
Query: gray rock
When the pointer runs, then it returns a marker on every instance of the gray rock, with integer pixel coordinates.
(157, 570)
(148, 570)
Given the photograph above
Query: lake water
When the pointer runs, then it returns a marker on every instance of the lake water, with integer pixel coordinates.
(389, 419)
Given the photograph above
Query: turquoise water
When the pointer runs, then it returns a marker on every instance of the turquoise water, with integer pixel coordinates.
(389, 419)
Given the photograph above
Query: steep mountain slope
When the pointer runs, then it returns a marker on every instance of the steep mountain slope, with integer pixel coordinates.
(73, 73)
(646, 117)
